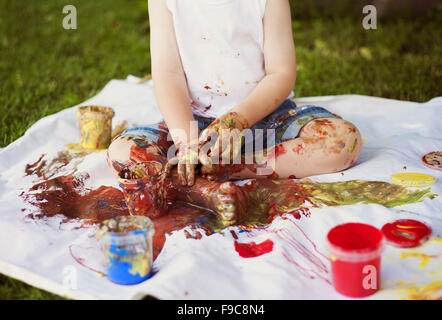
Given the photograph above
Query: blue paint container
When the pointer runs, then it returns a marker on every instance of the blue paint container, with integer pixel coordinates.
(127, 245)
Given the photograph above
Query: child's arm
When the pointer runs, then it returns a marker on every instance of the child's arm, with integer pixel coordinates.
(280, 64)
(170, 86)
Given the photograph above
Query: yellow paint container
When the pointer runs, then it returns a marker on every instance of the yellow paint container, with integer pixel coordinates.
(95, 126)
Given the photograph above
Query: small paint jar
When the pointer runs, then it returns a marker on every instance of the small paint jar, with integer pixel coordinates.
(95, 126)
(144, 196)
(126, 243)
(140, 199)
(355, 254)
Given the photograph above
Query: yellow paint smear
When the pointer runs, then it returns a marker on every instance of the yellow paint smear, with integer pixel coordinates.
(412, 179)
(425, 258)
(431, 291)
(409, 227)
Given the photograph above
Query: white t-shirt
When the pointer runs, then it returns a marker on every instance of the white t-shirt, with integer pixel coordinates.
(221, 48)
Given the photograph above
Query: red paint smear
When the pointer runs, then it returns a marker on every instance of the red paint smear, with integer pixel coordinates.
(295, 213)
(315, 267)
(28, 170)
(298, 148)
(278, 150)
(252, 249)
(141, 155)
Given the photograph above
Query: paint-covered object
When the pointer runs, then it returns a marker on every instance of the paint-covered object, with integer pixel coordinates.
(95, 126)
(148, 194)
(127, 245)
(355, 254)
(433, 160)
(406, 233)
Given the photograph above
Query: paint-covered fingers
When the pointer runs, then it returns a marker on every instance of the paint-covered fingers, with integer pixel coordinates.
(186, 174)
(190, 174)
(181, 169)
(187, 159)
(205, 144)
(206, 136)
(231, 147)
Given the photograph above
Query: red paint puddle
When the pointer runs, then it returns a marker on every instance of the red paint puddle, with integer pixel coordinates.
(252, 249)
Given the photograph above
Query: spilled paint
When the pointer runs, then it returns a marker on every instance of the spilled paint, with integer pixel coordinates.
(412, 291)
(45, 169)
(431, 291)
(67, 197)
(423, 257)
(303, 253)
(209, 206)
(252, 249)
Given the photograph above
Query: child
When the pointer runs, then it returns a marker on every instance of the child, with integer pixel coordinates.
(230, 64)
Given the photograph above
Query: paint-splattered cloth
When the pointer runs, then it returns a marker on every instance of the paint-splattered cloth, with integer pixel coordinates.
(285, 260)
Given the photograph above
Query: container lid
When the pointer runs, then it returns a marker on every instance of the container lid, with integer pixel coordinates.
(125, 230)
(433, 160)
(406, 233)
(412, 179)
(354, 242)
(102, 111)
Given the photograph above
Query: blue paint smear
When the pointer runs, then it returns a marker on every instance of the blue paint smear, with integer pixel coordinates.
(118, 272)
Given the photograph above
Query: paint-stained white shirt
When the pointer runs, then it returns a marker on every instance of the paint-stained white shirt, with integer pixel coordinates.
(221, 48)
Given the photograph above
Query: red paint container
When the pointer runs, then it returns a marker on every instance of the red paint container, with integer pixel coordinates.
(355, 253)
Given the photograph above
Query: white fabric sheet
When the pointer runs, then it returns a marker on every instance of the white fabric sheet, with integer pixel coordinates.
(396, 134)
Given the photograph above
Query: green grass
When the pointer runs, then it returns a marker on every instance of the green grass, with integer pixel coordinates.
(44, 68)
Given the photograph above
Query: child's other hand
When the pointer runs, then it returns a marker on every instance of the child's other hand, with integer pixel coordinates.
(230, 148)
(186, 160)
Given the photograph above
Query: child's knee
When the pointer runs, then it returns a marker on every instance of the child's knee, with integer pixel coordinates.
(348, 143)
(119, 150)
(322, 128)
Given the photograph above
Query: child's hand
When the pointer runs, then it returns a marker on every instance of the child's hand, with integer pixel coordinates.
(186, 160)
(230, 148)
